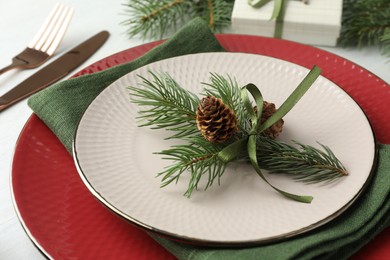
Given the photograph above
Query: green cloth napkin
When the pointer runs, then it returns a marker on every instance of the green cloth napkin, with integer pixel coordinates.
(62, 105)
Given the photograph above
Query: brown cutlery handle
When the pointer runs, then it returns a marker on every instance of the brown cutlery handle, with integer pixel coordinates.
(7, 68)
(28, 88)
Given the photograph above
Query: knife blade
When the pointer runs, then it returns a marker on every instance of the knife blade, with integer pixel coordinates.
(54, 71)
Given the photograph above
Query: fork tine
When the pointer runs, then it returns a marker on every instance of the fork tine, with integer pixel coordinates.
(58, 32)
(55, 19)
(44, 27)
(61, 32)
(54, 27)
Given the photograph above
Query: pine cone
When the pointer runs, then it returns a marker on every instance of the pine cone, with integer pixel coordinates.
(268, 110)
(215, 120)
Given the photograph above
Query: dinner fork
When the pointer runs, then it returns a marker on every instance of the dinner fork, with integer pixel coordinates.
(45, 42)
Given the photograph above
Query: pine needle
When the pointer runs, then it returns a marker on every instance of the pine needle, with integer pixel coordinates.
(164, 104)
(217, 13)
(304, 163)
(196, 160)
(157, 19)
(366, 23)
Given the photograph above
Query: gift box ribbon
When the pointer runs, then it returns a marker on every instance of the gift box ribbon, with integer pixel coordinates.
(277, 13)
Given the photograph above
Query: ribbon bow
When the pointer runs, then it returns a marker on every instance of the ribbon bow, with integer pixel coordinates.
(277, 13)
(248, 143)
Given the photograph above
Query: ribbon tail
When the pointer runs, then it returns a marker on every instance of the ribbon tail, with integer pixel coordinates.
(278, 14)
(232, 151)
(253, 159)
(295, 96)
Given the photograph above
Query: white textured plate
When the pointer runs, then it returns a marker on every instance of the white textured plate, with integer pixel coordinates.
(115, 157)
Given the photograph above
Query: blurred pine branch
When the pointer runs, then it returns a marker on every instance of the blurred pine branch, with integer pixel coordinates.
(366, 23)
(157, 18)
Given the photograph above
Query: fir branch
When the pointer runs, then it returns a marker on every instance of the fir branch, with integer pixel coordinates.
(228, 90)
(166, 105)
(385, 39)
(305, 163)
(366, 23)
(155, 18)
(217, 13)
(198, 158)
(210, 9)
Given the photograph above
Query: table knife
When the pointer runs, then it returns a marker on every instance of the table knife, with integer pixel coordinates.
(54, 71)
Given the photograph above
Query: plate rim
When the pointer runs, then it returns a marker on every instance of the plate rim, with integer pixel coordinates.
(226, 244)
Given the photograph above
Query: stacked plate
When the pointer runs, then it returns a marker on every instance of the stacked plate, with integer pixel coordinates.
(116, 159)
(66, 216)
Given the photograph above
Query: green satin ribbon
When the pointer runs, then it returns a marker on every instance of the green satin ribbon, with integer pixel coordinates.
(278, 4)
(277, 13)
(233, 150)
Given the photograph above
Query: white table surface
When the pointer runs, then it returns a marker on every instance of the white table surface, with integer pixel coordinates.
(19, 20)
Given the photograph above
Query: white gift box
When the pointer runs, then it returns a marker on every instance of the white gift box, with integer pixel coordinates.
(316, 23)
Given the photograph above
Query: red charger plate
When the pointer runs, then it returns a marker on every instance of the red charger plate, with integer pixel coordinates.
(66, 222)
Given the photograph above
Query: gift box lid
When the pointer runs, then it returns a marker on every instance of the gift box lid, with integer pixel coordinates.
(318, 15)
